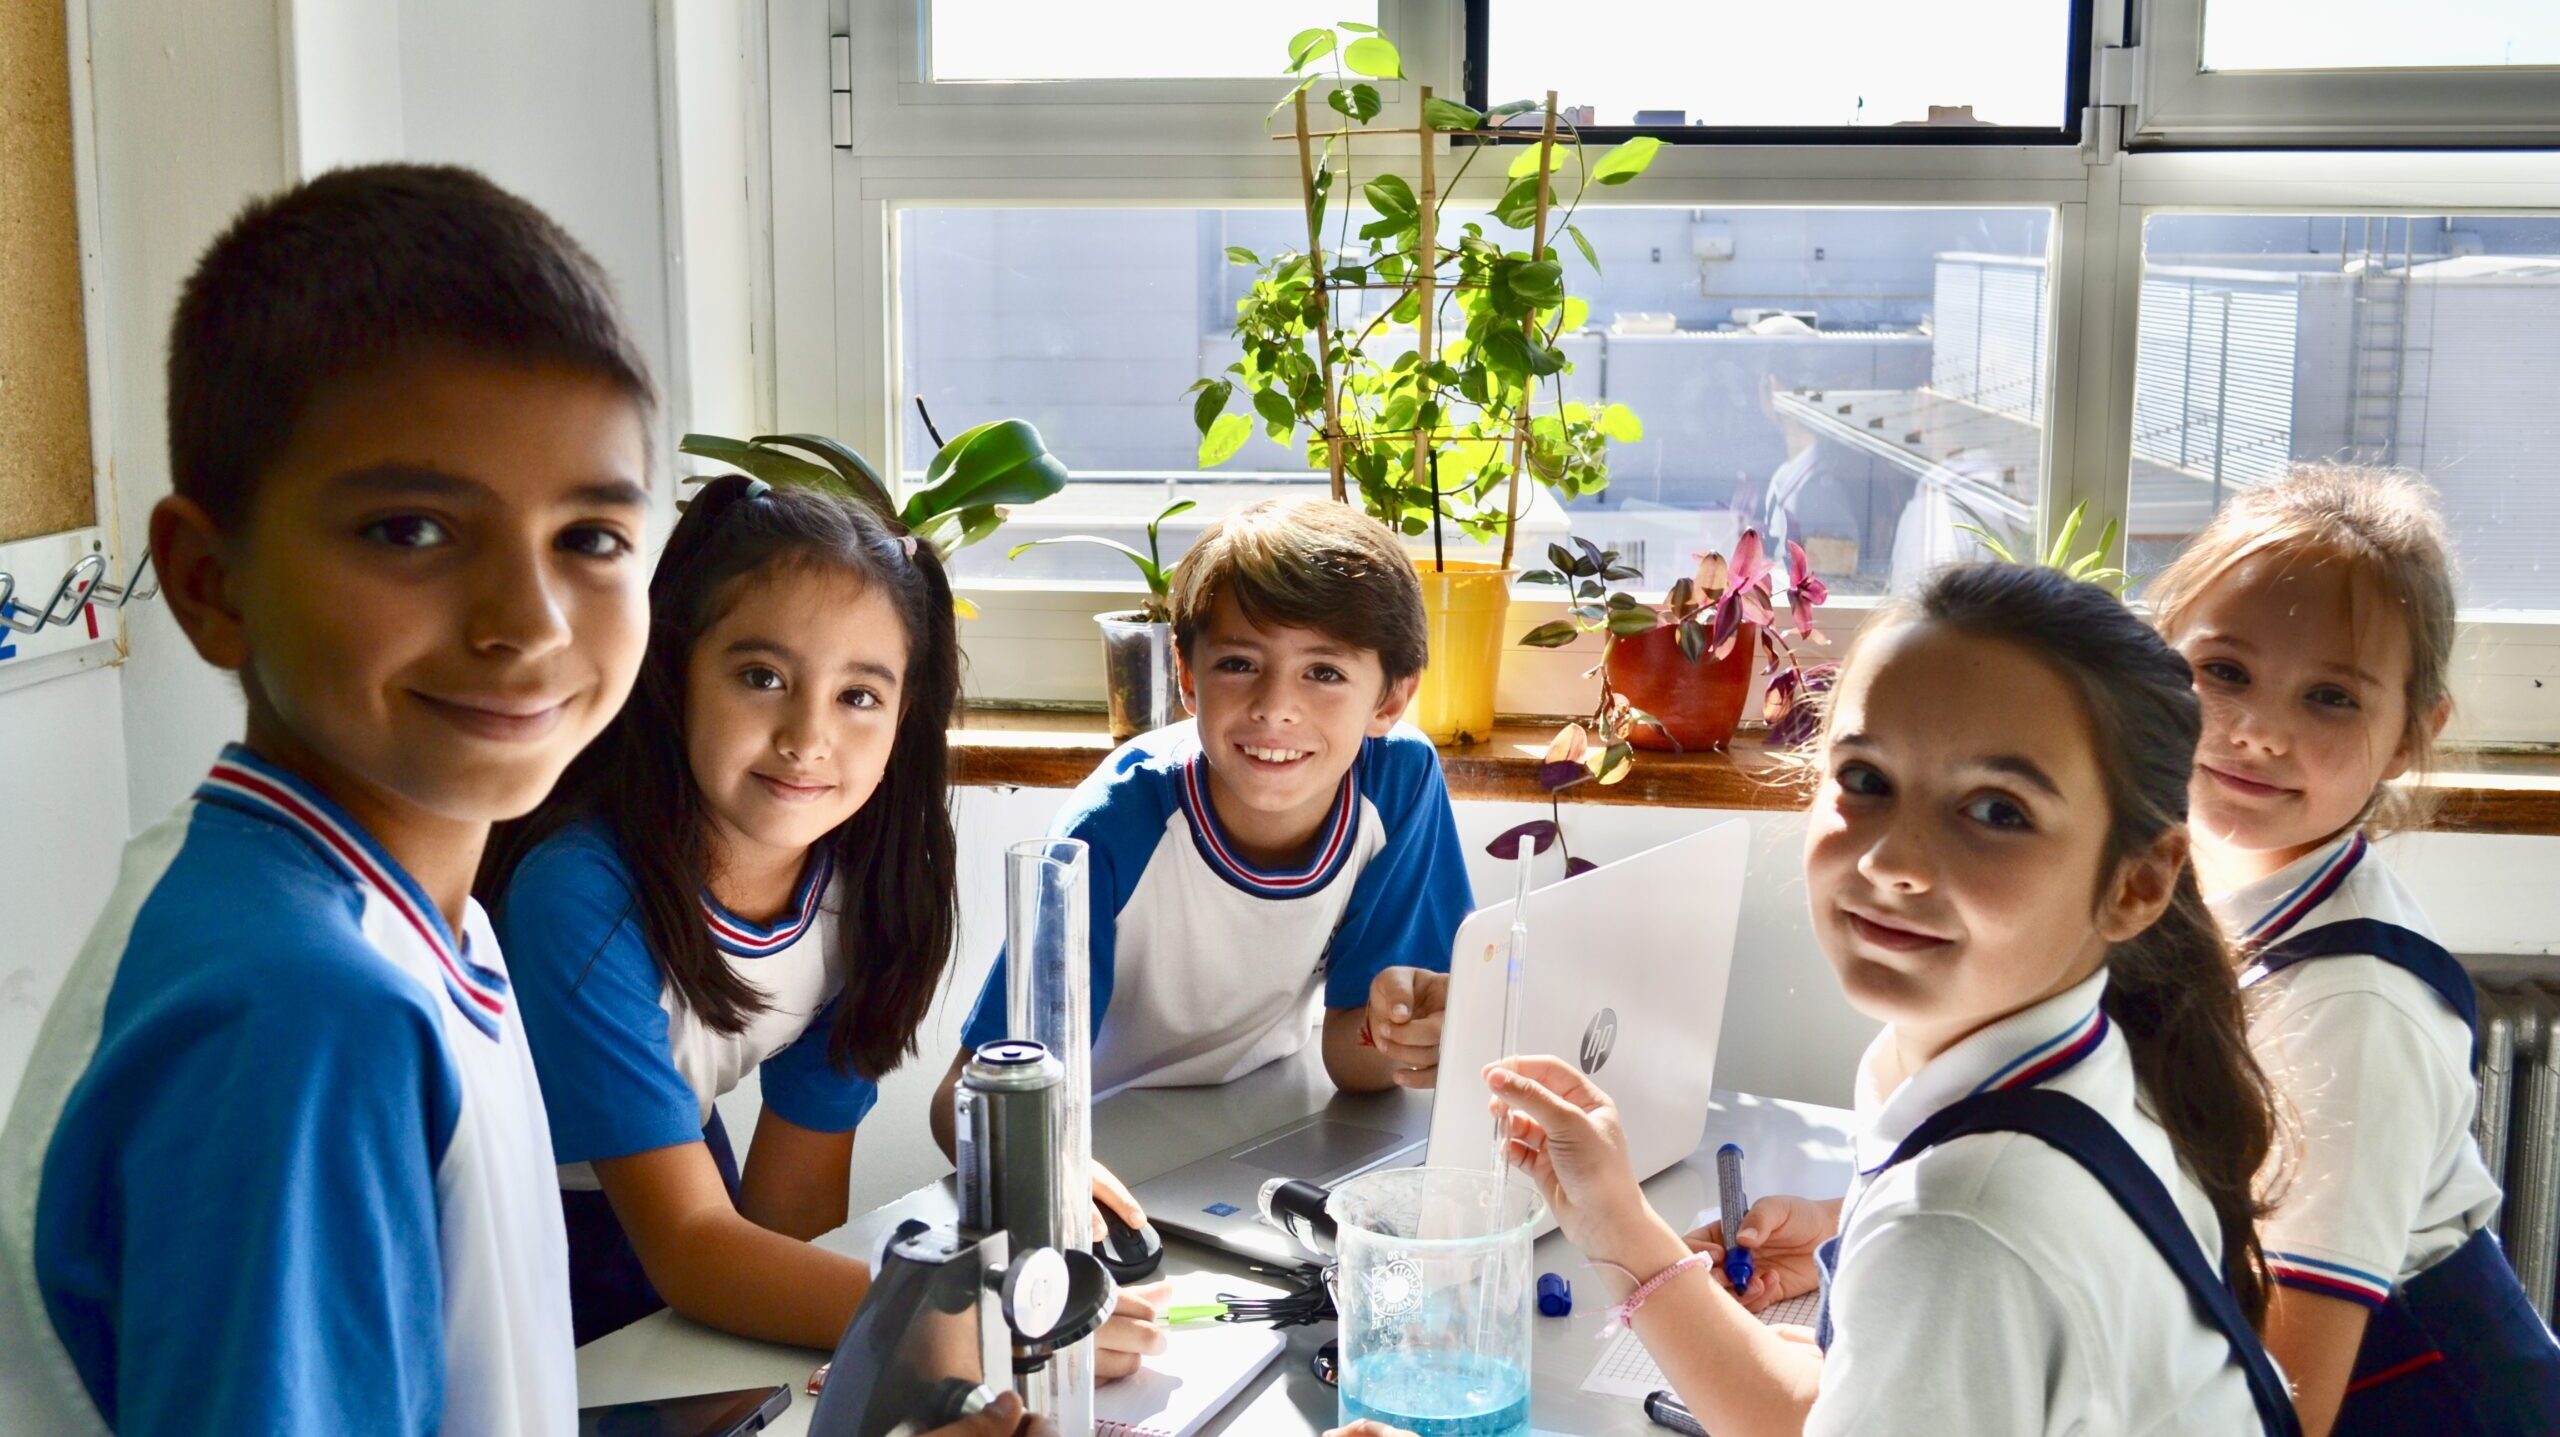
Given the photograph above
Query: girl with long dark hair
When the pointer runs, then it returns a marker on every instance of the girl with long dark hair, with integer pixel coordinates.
(2052, 1229)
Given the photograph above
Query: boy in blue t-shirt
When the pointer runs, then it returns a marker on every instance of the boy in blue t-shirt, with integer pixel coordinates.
(279, 1163)
(1290, 841)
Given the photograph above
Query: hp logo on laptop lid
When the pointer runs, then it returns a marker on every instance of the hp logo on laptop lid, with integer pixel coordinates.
(1599, 1039)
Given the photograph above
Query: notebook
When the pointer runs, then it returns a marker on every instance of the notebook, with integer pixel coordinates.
(1626, 1369)
(1203, 1368)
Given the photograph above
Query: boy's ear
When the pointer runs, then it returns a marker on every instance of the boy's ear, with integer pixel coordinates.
(1182, 683)
(2145, 883)
(195, 574)
(1392, 703)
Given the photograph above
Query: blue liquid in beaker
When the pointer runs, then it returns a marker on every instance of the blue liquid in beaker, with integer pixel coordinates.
(1441, 1395)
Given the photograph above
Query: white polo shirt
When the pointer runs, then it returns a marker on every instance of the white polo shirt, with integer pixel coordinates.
(2378, 1176)
(1992, 1284)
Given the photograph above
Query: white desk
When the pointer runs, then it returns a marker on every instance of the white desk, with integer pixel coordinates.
(1794, 1148)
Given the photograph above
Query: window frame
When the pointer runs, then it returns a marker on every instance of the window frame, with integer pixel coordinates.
(832, 255)
(2185, 105)
(2077, 61)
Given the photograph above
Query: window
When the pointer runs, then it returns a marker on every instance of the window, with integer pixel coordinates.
(1128, 39)
(1882, 65)
(1867, 381)
(2378, 35)
(2423, 341)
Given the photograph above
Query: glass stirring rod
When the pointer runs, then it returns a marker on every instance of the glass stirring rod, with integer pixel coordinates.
(1514, 979)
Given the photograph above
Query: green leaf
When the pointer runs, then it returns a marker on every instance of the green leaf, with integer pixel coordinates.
(855, 470)
(1544, 361)
(1584, 245)
(1238, 254)
(1506, 352)
(1309, 45)
(1577, 312)
(1540, 282)
(1360, 102)
(1626, 161)
(1620, 423)
(1392, 198)
(1220, 441)
(1518, 206)
(1565, 560)
(1553, 634)
(1018, 550)
(1274, 406)
(1442, 114)
(1627, 623)
(1527, 162)
(770, 465)
(1542, 576)
(1508, 108)
(1000, 462)
(1211, 403)
(1295, 91)
(1373, 57)
(1355, 27)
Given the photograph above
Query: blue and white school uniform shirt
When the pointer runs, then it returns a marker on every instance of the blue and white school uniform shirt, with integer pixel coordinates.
(1206, 967)
(626, 1066)
(2382, 1178)
(1992, 1283)
(279, 1163)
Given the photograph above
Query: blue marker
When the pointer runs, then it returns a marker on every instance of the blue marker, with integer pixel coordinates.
(1737, 1259)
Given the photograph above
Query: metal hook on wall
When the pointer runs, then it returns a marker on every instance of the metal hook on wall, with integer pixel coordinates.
(84, 584)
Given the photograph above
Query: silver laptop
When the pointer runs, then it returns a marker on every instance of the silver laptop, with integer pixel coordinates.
(1626, 977)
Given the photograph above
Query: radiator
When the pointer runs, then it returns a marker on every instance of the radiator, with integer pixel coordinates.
(2518, 1126)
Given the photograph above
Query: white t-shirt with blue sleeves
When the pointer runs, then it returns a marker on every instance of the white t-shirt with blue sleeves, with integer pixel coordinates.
(1206, 967)
(279, 1163)
(626, 1066)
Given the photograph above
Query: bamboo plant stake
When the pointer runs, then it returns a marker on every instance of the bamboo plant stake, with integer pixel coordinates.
(1324, 297)
(1529, 385)
(1426, 272)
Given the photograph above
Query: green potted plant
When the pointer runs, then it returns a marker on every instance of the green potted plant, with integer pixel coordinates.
(968, 488)
(1138, 663)
(1439, 402)
(1675, 675)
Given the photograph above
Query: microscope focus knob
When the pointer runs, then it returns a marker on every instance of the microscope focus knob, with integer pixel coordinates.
(1036, 1289)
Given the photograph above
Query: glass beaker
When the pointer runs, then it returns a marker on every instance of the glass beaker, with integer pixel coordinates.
(1434, 1288)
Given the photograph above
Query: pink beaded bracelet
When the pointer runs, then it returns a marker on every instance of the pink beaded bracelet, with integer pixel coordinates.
(1622, 1314)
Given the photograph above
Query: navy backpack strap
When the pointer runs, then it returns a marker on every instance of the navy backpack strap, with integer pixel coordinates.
(2412, 953)
(2075, 1129)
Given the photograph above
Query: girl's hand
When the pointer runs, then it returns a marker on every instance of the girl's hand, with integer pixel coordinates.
(1367, 1427)
(1004, 1417)
(1782, 1233)
(1134, 1331)
(1564, 1133)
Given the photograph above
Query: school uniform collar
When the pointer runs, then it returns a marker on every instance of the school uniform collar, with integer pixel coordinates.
(245, 783)
(739, 938)
(2030, 1046)
(1333, 837)
(2259, 914)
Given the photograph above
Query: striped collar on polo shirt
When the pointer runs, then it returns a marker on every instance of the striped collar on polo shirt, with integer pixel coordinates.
(248, 784)
(1333, 843)
(2034, 1045)
(739, 938)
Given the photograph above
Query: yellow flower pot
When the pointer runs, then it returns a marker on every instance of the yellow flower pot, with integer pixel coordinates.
(1466, 605)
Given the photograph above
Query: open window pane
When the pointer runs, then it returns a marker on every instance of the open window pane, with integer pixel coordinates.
(1867, 381)
(1124, 39)
(1851, 63)
(2379, 34)
(2424, 342)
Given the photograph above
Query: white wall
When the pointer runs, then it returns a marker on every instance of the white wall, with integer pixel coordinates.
(63, 793)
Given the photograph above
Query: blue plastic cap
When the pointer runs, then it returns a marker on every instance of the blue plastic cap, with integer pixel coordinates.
(1555, 1295)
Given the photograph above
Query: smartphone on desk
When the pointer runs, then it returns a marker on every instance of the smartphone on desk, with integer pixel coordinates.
(711, 1414)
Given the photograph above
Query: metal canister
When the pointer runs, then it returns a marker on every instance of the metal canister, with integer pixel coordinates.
(1007, 1106)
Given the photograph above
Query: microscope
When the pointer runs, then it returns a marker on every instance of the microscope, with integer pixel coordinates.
(959, 1314)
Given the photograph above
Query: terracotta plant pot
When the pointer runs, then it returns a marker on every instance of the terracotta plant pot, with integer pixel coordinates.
(1700, 703)
(1466, 606)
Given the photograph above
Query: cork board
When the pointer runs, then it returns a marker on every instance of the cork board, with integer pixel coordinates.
(45, 465)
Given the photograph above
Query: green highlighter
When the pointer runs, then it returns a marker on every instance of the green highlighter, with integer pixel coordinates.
(1198, 1312)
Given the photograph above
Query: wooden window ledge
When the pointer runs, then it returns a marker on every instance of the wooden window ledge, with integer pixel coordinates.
(1027, 748)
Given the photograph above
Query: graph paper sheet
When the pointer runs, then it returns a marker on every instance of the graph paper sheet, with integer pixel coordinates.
(1625, 1369)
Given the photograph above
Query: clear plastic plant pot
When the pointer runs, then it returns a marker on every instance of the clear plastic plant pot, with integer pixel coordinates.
(1435, 1290)
(1138, 674)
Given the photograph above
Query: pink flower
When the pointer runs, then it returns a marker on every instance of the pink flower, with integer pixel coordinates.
(1805, 591)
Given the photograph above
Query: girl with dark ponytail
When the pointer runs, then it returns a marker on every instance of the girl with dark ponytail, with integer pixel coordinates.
(2052, 1229)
